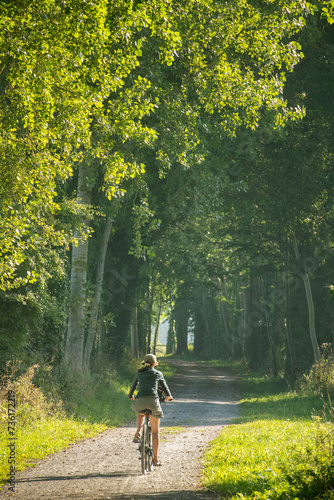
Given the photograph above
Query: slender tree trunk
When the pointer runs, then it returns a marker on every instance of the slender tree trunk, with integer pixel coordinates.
(134, 333)
(95, 304)
(170, 347)
(311, 317)
(310, 305)
(181, 315)
(101, 343)
(291, 350)
(157, 327)
(245, 328)
(148, 314)
(269, 334)
(279, 309)
(198, 331)
(255, 344)
(73, 356)
(226, 318)
(207, 327)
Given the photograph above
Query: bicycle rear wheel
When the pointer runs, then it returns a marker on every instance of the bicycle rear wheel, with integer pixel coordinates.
(149, 449)
(143, 448)
(146, 448)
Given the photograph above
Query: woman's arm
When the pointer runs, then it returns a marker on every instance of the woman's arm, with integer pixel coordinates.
(133, 388)
(165, 388)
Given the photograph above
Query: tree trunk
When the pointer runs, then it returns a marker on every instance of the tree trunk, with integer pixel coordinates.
(74, 347)
(198, 331)
(148, 314)
(226, 318)
(269, 334)
(207, 327)
(102, 330)
(134, 333)
(255, 344)
(310, 305)
(170, 347)
(95, 304)
(181, 315)
(157, 327)
(291, 350)
(279, 304)
(245, 332)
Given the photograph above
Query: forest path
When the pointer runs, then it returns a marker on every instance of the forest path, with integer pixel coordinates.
(108, 466)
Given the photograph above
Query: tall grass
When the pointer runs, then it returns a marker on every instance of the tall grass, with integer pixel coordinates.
(279, 448)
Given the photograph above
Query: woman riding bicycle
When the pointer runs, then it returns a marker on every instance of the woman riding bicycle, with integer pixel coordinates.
(149, 380)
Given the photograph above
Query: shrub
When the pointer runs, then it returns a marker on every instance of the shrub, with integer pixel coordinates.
(30, 401)
(321, 376)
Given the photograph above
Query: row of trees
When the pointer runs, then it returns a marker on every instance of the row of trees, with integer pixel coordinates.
(153, 159)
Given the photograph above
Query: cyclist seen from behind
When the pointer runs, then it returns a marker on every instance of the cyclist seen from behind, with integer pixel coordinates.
(149, 380)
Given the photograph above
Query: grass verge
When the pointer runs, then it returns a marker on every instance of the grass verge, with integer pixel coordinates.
(39, 439)
(278, 449)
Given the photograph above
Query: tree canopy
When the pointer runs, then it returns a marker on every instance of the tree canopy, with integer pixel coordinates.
(171, 155)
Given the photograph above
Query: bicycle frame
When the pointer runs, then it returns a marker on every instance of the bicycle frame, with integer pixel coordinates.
(145, 447)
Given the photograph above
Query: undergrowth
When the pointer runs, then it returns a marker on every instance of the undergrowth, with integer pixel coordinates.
(31, 426)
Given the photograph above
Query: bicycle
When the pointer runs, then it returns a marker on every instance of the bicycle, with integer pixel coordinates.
(145, 446)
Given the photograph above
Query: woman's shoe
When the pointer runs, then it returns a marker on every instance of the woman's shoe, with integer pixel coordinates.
(136, 438)
(156, 462)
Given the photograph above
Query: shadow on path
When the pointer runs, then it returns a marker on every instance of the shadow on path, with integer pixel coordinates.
(75, 477)
(169, 495)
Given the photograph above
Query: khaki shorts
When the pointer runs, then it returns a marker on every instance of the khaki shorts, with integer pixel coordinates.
(150, 403)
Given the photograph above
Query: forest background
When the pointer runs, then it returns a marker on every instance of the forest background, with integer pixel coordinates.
(166, 160)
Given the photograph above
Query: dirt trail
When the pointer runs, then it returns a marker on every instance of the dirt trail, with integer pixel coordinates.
(108, 466)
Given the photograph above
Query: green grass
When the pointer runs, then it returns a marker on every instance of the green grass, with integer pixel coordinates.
(41, 438)
(276, 450)
(105, 402)
(267, 398)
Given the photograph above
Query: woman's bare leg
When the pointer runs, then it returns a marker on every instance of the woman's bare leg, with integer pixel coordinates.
(155, 423)
(140, 419)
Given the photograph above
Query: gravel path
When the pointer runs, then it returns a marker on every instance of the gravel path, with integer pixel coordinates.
(108, 466)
